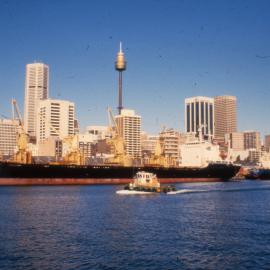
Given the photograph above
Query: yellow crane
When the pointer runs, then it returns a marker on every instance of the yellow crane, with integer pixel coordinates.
(159, 158)
(74, 156)
(117, 143)
(22, 155)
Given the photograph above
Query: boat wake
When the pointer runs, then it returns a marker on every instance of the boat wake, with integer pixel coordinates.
(134, 192)
(185, 191)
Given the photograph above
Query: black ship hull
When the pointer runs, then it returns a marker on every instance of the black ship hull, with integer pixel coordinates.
(215, 171)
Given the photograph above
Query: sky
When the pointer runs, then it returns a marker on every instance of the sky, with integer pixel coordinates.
(174, 50)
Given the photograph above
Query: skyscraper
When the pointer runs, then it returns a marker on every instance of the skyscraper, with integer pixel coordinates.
(36, 89)
(225, 116)
(199, 114)
(129, 125)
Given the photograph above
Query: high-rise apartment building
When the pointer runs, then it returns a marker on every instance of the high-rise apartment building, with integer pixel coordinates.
(129, 125)
(8, 137)
(199, 114)
(36, 89)
(225, 116)
(55, 117)
(252, 140)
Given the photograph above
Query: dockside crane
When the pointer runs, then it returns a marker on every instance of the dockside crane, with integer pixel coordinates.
(22, 155)
(159, 158)
(74, 156)
(117, 143)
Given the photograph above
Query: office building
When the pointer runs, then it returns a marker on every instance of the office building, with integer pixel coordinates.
(36, 89)
(55, 118)
(199, 114)
(235, 140)
(252, 140)
(129, 125)
(8, 137)
(225, 116)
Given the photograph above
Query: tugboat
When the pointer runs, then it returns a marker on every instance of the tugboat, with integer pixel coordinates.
(145, 183)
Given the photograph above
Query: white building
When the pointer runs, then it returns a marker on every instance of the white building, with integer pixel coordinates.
(36, 89)
(55, 118)
(98, 132)
(129, 125)
(170, 140)
(199, 113)
(8, 137)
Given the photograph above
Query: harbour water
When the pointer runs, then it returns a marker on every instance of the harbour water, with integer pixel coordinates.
(216, 226)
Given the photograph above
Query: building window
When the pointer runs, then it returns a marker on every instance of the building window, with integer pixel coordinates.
(211, 119)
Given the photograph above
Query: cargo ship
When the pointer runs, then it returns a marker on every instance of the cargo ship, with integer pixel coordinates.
(200, 162)
(24, 174)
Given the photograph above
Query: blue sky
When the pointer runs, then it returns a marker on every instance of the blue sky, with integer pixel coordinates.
(174, 50)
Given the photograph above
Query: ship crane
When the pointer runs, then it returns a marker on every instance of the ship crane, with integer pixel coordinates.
(74, 156)
(159, 158)
(22, 155)
(117, 143)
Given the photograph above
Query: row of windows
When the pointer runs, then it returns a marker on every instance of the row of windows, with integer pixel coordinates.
(200, 114)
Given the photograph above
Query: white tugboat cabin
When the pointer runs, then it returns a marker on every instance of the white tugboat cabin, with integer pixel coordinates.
(145, 181)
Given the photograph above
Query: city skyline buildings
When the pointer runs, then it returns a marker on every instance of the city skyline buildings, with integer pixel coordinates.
(36, 89)
(129, 126)
(55, 118)
(200, 116)
(173, 55)
(225, 116)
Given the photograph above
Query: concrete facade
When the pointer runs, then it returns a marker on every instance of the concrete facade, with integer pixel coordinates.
(36, 89)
